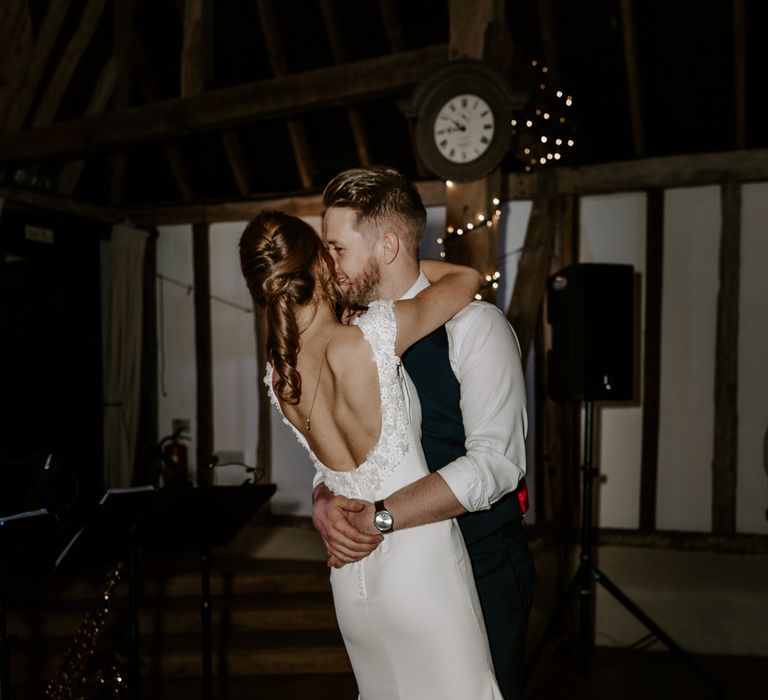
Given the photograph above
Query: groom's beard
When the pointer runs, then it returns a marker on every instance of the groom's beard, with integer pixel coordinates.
(363, 289)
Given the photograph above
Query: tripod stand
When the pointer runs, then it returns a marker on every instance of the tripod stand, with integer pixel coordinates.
(587, 573)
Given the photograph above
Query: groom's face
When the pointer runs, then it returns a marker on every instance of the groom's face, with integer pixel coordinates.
(357, 269)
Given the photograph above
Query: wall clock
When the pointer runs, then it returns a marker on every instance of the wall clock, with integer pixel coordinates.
(464, 112)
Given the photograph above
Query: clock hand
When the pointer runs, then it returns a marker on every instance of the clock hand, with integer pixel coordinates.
(457, 125)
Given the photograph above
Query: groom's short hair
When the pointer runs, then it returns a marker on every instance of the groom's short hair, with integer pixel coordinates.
(382, 199)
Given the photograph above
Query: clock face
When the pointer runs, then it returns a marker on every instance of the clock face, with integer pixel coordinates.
(464, 128)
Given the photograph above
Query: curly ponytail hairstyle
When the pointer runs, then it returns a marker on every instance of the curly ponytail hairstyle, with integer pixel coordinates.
(283, 259)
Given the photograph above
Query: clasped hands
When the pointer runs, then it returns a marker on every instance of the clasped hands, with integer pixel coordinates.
(345, 525)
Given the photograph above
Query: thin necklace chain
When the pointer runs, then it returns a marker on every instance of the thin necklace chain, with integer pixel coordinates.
(319, 376)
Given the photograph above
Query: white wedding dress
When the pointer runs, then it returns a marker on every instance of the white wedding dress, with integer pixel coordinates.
(408, 612)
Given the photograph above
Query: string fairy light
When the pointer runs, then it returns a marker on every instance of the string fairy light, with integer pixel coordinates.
(479, 221)
(544, 120)
(542, 134)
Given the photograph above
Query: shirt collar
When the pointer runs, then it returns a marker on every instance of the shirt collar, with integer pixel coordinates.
(421, 283)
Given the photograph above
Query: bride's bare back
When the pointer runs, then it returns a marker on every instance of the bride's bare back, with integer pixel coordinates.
(346, 416)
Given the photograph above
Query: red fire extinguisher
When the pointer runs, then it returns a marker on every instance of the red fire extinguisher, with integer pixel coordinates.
(174, 458)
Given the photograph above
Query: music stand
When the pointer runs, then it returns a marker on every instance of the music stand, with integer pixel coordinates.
(111, 535)
(29, 541)
(199, 520)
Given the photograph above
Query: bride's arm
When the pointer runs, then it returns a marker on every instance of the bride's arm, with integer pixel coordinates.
(452, 288)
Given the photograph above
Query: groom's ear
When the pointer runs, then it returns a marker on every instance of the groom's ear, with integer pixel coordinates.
(390, 245)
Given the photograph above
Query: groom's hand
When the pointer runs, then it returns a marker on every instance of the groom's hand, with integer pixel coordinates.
(332, 516)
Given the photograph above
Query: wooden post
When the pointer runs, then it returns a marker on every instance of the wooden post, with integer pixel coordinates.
(264, 447)
(557, 470)
(740, 72)
(203, 352)
(534, 265)
(725, 452)
(654, 258)
(633, 79)
(467, 202)
(470, 207)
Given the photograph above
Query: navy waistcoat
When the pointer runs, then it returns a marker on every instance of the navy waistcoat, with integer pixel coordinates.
(442, 430)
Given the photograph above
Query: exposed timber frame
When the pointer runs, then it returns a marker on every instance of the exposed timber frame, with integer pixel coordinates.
(219, 109)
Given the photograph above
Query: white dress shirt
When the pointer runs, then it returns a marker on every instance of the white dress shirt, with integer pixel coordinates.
(485, 357)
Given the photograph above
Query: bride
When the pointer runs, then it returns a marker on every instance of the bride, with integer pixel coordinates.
(408, 612)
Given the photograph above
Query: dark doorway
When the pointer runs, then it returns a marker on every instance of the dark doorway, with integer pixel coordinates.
(50, 354)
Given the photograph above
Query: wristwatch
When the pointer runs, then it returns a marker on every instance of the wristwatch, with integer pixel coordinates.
(382, 519)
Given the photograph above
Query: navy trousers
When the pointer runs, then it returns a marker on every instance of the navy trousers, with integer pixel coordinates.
(506, 581)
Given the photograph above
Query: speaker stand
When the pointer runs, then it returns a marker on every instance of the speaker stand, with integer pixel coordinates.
(585, 577)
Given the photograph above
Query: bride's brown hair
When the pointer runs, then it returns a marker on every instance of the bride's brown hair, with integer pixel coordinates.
(283, 261)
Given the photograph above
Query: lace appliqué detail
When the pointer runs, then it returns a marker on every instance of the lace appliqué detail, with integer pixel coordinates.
(379, 328)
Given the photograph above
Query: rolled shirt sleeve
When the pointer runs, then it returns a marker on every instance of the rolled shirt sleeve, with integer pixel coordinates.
(485, 356)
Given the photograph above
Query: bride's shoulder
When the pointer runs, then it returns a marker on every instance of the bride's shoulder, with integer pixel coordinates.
(346, 346)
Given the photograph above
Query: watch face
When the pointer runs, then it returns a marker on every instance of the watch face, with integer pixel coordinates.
(383, 521)
(464, 128)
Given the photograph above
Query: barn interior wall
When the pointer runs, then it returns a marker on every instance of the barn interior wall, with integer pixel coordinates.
(612, 229)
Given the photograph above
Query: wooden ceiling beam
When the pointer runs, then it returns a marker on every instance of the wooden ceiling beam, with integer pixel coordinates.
(392, 26)
(355, 117)
(277, 60)
(16, 47)
(633, 77)
(151, 92)
(22, 94)
(197, 48)
(238, 162)
(41, 201)
(14, 20)
(102, 93)
(549, 39)
(197, 77)
(123, 33)
(740, 72)
(626, 176)
(669, 171)
(278, 97)
(59, 82)
(195, 35)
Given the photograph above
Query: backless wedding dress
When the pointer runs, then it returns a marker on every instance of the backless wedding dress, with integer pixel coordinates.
(408, 612)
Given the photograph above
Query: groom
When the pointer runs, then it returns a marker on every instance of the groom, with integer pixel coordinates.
(470, 384)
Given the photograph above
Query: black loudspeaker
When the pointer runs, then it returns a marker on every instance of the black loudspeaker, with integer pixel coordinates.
(590, 307)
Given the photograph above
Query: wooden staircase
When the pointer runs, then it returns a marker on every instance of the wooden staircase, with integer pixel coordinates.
(274, 630)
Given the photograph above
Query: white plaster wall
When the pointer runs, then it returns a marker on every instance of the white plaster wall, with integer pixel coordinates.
(177, 382)
(612, 230)
(752, 484)
(689, 312)
(235, 375)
